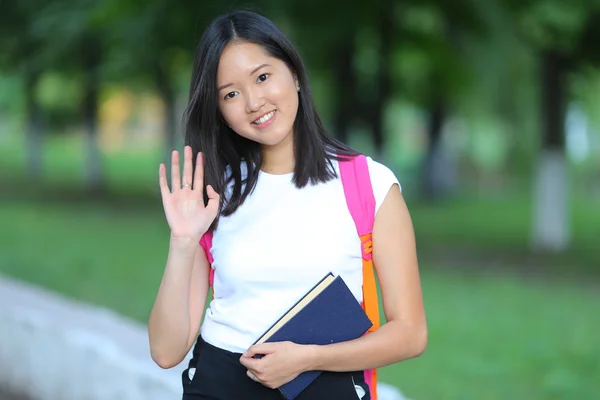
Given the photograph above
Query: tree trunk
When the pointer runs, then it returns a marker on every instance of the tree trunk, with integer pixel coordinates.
(345, 88)
(434, 178)
(386, 33)
(438, 173)
(34, 131)
(550, 215)
(91, 63)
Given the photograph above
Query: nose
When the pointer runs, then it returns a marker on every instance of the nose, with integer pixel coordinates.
(254, 101)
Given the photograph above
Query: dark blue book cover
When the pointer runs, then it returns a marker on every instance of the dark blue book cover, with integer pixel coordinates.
(332, 316)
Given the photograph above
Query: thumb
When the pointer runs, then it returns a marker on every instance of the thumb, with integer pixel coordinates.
(213, 198)
(262, 349)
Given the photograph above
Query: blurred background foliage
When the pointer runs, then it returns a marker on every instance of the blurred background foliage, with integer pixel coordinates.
(487, 110)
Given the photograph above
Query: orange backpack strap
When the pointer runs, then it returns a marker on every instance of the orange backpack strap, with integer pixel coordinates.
(354, 173)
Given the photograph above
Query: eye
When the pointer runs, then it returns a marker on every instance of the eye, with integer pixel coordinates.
(230, 95)
(263, 77)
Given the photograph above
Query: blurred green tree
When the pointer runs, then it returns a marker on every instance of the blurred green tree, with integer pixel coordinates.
(564, 36)
(363, 49)
(22, 52)
(65, 36)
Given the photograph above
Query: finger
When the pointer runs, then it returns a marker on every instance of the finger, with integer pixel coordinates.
(263, 349)
(213, 198)
(252, 364)
(248, 361)
(162, 180)
(175, 180)
(199, 173)
(245, 361)
(187, 167)
(252, 376)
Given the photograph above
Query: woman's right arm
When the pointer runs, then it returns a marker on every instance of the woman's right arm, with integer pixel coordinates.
(177, 313)
(179, 306)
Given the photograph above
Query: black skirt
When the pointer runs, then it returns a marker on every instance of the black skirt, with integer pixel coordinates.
(219, 375)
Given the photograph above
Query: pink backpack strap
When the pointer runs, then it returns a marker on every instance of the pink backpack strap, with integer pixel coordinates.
(359, 195)
(206, 243)
(360, 199)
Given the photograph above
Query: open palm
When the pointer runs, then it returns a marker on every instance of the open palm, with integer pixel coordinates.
(184, 207)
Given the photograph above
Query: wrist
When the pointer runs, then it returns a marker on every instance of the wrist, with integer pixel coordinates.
(313, 356)
(184, 242)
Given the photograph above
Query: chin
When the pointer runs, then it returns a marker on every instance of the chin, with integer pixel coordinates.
(268, 139)
(273, 141)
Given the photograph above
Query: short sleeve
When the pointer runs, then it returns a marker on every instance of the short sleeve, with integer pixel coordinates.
(382, 179)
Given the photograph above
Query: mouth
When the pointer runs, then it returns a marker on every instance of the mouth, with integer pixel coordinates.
(265, 118)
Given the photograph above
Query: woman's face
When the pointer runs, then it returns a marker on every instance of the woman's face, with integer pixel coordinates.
(258, 94)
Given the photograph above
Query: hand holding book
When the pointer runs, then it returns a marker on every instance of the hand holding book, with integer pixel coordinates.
(281, 357)
(281, 362)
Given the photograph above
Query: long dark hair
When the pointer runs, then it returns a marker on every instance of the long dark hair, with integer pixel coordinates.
(206, 131)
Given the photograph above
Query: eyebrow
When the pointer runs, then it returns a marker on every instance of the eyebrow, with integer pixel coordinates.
(251, 73)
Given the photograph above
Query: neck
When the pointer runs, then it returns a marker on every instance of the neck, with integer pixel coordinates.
(279, 159)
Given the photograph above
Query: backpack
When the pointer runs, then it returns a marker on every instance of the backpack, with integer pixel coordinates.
(354, 173)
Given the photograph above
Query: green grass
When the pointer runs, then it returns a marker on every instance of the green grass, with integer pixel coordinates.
(495, 234)
(92, 253)
(499, 337)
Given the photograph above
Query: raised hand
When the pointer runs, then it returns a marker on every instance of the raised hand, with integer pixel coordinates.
(184, 207)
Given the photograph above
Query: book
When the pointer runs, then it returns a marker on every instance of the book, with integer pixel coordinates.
(328, 313)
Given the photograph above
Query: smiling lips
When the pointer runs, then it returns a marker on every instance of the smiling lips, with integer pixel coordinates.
(265, 120)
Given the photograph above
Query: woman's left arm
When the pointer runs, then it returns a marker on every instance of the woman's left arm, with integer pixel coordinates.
(404, 335)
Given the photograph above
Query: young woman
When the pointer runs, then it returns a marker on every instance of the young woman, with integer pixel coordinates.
(261, 173)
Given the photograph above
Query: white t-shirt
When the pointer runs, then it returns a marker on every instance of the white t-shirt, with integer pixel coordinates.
(277, 245)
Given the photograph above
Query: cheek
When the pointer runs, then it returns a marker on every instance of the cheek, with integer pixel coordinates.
(285, 98)
(232, 113)
(293, 104)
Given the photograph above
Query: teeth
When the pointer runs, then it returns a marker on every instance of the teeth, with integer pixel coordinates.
(265, 118)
